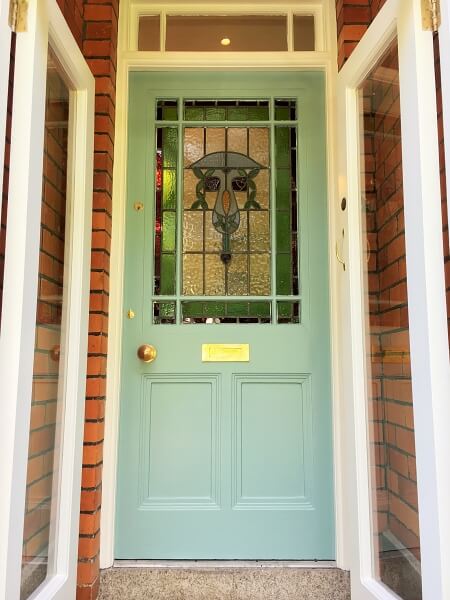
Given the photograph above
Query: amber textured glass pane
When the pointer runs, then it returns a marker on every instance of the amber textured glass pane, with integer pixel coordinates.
(259, 231)
(246, 33)
(260, 274)
(392, 461)
(304, 34)
(238, 276)
(259, 145)
(237, 140)
(239, 241)
(149, 34)
(193, 275)
(194, 147)
(193, 231)
(49, 350)
(215, 139)
(214, 275)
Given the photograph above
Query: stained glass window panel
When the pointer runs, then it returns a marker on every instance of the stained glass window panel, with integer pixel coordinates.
(286, 210)
(226, 213)
(165, 210)
(228, 216)
(226, 312)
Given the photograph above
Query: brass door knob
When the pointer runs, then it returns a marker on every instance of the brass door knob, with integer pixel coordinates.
(147, 353)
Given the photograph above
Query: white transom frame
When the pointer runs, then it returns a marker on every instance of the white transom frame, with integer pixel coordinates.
(426, 298)
(315, 8)
(132, 60)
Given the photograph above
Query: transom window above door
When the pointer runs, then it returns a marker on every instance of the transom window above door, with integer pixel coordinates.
(226, 224)
(199, 27)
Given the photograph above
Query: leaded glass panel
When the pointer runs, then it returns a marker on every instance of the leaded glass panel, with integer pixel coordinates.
(226, 220)
(226, 213)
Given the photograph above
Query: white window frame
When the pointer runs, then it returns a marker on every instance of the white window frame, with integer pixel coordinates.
(45, 24)
(426, 298)
(444, 46)
(287, 9)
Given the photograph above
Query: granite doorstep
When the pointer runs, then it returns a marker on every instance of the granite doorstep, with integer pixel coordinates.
(257, 583)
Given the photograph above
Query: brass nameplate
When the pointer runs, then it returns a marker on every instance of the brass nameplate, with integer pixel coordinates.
(225, 352)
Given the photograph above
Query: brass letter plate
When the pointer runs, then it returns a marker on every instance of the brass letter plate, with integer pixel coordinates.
(225, 352)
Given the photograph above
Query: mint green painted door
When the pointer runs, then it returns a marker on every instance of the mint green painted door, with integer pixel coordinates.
(226, 243)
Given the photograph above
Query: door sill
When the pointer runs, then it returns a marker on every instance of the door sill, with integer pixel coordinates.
(227, 564)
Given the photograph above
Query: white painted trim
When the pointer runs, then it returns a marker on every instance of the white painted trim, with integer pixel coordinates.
(430, 363)
(428, 326)
(132, 60)
(19, 296)
(444, 45)
(45, 25)
(140, 8)
(5, 46)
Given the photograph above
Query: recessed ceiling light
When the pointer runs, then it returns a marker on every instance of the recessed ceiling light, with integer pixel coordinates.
(225, 41)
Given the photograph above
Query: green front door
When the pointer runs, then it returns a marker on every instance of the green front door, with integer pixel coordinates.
(221, 457)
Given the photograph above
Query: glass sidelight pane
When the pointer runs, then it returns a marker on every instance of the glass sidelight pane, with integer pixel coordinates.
(395, 519)
(46, 401)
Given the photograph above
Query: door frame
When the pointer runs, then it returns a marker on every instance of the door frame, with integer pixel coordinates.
(129, 59)
(444, 46)
(46, 24)
(426, 293)
(5, 49)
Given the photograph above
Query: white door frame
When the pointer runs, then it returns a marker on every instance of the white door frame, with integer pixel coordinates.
(46, 24)
(426, 294)
(444, 46)
(129, 59)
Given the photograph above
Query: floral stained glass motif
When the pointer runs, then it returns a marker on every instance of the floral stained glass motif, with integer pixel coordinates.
(227, 251)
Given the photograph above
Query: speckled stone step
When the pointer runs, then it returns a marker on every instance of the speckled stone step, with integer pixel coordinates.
(224, 583)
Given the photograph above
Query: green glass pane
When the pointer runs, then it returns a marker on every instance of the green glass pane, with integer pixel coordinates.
(237, 309)
(282, 147)
(214, 309)
(237, 113)
(258, 113)
(167, 309)
(215, 113)
(283, 187)
(193, 113)
(285, 309)
(164, 312)
(168, 231)
(167, 283)
(288, 312)
(170, 113)
(260, 309)
(283, 231)
(170, 146)
(282, 113)
(169, 189)
(192, 309)
(284, 274)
